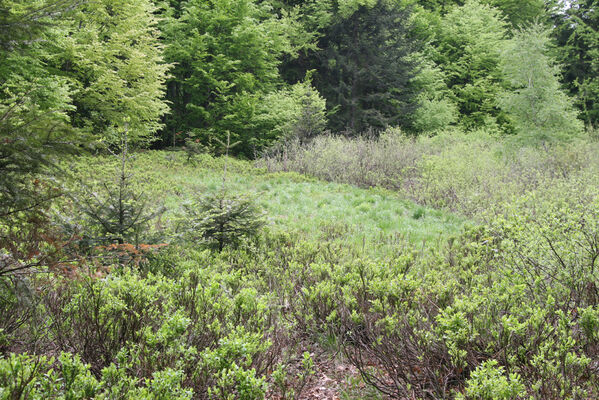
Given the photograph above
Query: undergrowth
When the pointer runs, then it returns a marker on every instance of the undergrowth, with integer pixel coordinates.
(464, 173)
(503, 308)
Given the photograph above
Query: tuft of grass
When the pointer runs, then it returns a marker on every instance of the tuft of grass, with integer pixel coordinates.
(419, 213)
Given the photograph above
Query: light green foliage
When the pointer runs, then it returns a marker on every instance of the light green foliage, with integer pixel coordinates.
(420, 304)
(517, 12)
(503, 293)
(16, 375)
(468, 303)
(466, 47)
(30, 377)
(231, 361)
(503, 309)
(589, 320)
(373, 218)
(540, 110)
(435, 110)
(199, 326)
(114, 60)
(348, 7)
(297, 112)
(34, 101)
(434, 114)
(62, 67)
(488, 382)
(227, 56)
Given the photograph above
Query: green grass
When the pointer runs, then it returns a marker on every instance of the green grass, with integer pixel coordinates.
(292, 202)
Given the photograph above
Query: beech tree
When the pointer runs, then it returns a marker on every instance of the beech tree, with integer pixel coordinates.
(114, 59)
(227, 55)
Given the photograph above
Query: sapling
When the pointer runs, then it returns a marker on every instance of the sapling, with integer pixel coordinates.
(220, 219)
(118, 209)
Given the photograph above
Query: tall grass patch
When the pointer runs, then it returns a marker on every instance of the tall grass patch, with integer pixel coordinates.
(464, 173)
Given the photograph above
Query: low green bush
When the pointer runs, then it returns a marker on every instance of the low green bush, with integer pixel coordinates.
(209, 328)
(26, 376)
(465, 173)
(489, 382)
(521, 291)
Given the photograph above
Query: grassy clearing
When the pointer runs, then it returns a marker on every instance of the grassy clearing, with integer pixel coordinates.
(374, 218)
(467, 174)
(509, 304)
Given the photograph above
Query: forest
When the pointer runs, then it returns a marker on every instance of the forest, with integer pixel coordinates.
(299, 199)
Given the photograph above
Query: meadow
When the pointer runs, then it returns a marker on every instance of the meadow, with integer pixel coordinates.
(292, 202)
(266, 199)
(343, 292)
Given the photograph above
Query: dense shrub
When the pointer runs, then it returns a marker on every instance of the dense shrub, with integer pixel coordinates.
(469, 318)
(206, 330)
(25, 376)
(489, 382)
(504, 309)
(521, 293)
(464, 173)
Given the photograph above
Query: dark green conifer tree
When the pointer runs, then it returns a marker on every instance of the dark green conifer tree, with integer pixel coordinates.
(577, 34)
(365, 67)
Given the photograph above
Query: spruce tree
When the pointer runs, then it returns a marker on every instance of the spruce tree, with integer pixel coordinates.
(220, 219)
(365, 66)
(577, 34)
(117, 210)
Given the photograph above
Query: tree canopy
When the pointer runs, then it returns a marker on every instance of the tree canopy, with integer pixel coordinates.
(201, 70)
(577, 35)
(365, 66)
